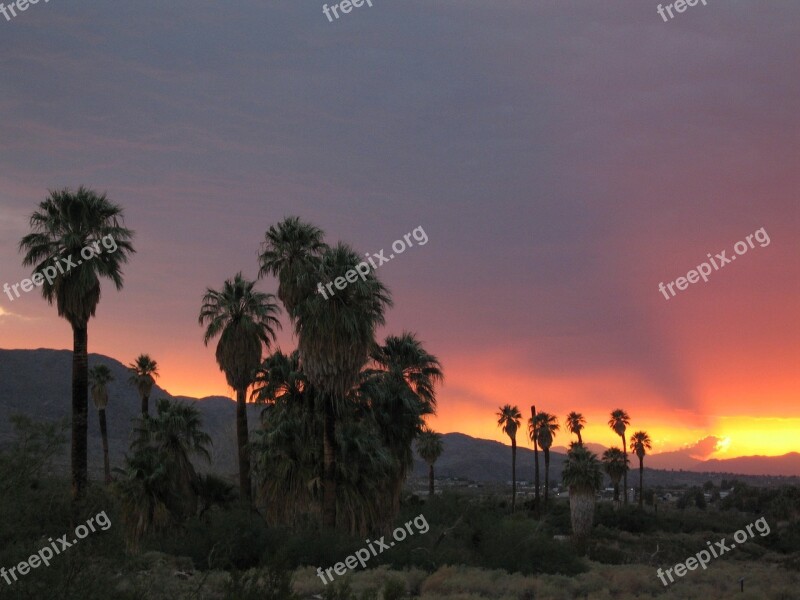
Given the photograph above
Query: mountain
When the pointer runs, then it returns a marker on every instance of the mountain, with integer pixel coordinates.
(38, 383)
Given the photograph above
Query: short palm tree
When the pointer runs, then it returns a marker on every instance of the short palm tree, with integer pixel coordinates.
(335, 337)
(509, 418)
(65, 224)
(619, 422)
(615, 463)
(400, 386)
(575, 424)
(430, 448)
(583, 477)
(100, 376)
(640, 443)
(245, 321)
(143, 372)
(547, 426)
(175, 433)
(291, 253)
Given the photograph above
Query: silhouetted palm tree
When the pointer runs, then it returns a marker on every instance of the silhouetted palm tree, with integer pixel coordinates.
(245, 321)
(291, 253)
(583, 477)
(509, 418)
(430, 448)
(100, 376)
(619, 422)
(575, 424)
(547, 426)
(534, 438)
(615, 463)
(335, 336)
(400, 386)
(65, 224)
(175, 433)
(640, 443)
(143, 372)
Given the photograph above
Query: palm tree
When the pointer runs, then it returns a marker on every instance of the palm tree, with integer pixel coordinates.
(615, 463)
(575, 424)
(619, 422)
(430, 447)
(175, 433)
(143, 371)
(400, 388)
(65, 224)
(547, 426)
(291, 252)
(640, 443)
(532, 434)
(583, 477)
(245, 321)
(509, 418)
(145, 491)
(100, 376)
(335, 336)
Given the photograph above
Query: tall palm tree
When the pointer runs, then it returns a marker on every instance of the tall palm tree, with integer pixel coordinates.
(534, 437)
(65, 224)
(509, 418)
(640, 443)
(245, 321)
(547, 426)
(335, 337)
(290, 252)
(100, 376)
(143, 371)
(583, 477)
(430, 448)
(615, 463)
(575, 424)
(400, 387)
(619, 422)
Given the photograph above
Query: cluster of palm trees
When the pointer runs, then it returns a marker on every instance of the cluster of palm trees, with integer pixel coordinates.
(341, 413)
(542, 429)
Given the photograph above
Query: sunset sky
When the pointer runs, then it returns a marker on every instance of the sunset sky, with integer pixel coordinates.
(563, 158)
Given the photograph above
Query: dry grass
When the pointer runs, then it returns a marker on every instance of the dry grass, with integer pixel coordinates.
(763, 581)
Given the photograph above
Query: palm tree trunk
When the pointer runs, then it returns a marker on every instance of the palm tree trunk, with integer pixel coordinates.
(80, 410)
(641, 481)
(245, 491)
(513, 474)
(145, 405)
(101, 415)
(625, 473)
(616, 492)
(581, 508)
(580, 438)
(430, 480)
(329, 465)
(546, 475)
(536, 461)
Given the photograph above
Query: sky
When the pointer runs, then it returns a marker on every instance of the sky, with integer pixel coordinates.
(563, 158)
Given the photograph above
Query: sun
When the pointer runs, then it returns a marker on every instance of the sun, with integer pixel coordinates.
(723, 445)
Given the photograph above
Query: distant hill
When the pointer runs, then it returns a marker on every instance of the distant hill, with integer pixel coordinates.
(38, 383)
